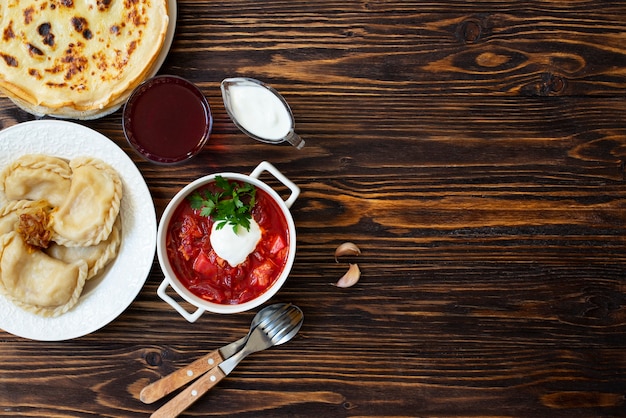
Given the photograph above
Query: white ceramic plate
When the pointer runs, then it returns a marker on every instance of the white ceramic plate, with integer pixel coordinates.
(167, 44)
(106, 296)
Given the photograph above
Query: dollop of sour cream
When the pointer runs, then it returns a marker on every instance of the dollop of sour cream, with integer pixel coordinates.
(235, 246)
(259, 111)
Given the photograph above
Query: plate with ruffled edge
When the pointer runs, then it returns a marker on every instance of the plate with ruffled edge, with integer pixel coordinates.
(107, 295)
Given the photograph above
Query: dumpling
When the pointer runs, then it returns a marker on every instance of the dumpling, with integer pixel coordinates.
(96, 256)
(10, 213)
(89, 210)
(35, 177)
(37, 282)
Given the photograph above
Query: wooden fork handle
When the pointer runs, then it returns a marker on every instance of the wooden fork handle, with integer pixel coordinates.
(168, 384)
(191, 394)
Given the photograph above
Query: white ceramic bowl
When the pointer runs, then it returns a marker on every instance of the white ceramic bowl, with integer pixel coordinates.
(170, 277)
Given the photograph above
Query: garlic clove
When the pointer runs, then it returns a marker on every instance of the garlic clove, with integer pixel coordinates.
(347, 248)
(351, 277)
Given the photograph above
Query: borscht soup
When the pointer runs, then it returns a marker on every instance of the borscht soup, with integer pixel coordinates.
(222, 263)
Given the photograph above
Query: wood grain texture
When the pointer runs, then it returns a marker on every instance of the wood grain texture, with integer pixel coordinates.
(476, 153)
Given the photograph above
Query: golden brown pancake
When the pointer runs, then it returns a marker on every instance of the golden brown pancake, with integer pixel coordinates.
(77, 57)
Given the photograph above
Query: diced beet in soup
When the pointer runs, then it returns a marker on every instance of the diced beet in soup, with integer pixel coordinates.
(211, 278)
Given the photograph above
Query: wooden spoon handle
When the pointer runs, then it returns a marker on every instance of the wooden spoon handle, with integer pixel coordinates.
(191, 394)
(168, 384)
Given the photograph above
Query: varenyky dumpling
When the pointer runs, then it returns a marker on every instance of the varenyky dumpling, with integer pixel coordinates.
(10, 214)
(37, 282)
(89, 210)
(49, 248)
(96, 256)
(35, 177)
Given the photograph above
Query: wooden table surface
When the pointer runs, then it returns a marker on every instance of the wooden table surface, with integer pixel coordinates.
(474, 151)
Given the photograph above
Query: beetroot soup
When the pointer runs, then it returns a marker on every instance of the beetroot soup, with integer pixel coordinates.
(210, 277)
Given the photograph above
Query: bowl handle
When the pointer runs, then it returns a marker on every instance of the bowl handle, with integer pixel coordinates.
(191, 317)
(265, 166)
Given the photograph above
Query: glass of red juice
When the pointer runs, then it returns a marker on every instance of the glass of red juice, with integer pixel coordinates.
(167, 120)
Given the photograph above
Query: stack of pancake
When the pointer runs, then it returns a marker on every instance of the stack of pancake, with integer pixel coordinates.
(78, 59)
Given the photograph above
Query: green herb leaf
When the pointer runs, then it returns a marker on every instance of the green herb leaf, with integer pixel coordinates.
(230, 206)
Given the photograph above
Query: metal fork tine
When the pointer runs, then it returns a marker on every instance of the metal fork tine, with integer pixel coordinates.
(279, 322)
(277, 334)
(274, 316)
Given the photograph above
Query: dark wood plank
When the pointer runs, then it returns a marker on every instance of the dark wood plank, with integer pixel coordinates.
(475, 153)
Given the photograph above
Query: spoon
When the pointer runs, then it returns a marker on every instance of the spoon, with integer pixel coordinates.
(168, 384)
(278, 328)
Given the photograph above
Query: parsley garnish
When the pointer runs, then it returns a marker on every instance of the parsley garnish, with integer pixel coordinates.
(232, 205)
